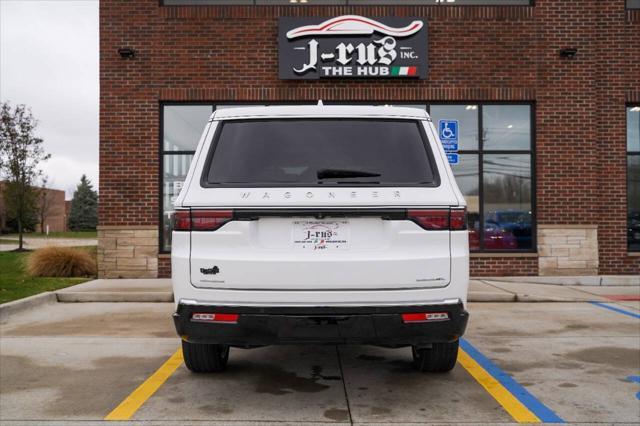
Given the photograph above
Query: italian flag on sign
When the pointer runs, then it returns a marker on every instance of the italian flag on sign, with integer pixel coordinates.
(404, 70)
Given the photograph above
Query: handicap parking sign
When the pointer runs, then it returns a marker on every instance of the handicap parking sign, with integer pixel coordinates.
(453, 158)
(448, 130)
(449, 134)
(450, 146)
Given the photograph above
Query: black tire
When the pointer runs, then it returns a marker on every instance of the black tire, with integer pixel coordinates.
(439, 358)
(203, 358)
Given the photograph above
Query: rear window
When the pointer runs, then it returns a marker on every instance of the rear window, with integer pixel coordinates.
(320, 152)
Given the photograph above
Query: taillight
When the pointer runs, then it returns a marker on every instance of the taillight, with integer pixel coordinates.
(182, 220)
(209, 220)
(200, 220)
(213, 317)
(458, 219)
(424, 317)
(440, 219)
(433, 220)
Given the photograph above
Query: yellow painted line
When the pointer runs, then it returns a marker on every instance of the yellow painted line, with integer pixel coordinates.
(134, 401)
(510, 403)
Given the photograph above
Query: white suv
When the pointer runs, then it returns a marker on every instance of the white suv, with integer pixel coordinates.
(320, 224)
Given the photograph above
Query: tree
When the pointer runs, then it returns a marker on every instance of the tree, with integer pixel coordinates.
(84, 207)
(20, 154)
(44, 202)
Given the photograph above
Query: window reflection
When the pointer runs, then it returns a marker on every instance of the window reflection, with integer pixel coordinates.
(467, 116)
(506, 127)
(353, 2)
(633, 4)
(633, 195)
(507, 202)
(183, 126)
(633, 129)
(467, 177)
(506, 181)
(175, 168)
(633, 178)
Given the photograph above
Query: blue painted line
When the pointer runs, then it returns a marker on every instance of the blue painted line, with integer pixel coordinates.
(635, 379)
(544, 413)
(615, 309)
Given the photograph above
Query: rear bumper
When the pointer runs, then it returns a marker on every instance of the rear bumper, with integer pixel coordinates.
(374, 325)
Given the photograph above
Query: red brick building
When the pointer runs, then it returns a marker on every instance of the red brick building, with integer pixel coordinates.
(546, 94)
(50, 210)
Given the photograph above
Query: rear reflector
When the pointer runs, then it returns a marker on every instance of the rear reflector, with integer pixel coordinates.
(211, 317)
(440, 219)
(200, 220)
(425, 317)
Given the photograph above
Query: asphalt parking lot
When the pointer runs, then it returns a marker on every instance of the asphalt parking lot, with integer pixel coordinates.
(562, 362)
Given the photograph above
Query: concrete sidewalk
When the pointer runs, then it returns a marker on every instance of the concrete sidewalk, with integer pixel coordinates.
(518, 291)
(480, 290)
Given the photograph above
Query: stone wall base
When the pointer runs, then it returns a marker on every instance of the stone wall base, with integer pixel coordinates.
(127, 251)
(567, 250)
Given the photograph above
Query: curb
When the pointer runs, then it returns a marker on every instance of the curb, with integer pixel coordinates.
(140, 297)
(587, 281)
(490, 296)
(530, 298)
(20, 305)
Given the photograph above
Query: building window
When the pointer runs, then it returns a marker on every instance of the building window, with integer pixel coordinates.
(182, 126)
(494, 172)
(633, 178)
(356, 2)
(633, 4)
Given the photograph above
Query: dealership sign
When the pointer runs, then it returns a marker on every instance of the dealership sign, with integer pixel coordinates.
(352, 46)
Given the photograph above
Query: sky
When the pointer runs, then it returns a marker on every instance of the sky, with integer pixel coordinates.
(49, 61)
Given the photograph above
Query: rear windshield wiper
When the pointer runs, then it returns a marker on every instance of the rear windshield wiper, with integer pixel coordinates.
(340, 173)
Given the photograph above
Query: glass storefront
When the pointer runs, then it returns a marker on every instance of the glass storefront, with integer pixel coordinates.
(494, 171)
(633, 178)
(356, 2)
(182, 126)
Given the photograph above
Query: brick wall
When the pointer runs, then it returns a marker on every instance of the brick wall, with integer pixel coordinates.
(55, 212)
(618, 41)
(481, 53)
(493, 266)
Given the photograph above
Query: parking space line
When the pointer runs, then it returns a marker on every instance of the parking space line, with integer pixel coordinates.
(615, 309)
(127, 408)
(515, 399)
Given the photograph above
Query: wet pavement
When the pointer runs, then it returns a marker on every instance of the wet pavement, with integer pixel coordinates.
(75, 362)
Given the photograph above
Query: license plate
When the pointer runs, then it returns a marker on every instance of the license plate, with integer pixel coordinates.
(320, 234)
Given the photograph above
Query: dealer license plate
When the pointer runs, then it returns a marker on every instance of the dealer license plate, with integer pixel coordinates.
(320, 234)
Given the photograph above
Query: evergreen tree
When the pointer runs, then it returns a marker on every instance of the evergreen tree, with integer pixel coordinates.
(84, 207)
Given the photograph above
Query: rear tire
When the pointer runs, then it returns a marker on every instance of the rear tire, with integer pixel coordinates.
(439, 358)
(203, 358)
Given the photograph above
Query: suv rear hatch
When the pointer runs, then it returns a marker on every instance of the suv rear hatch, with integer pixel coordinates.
(320, 204)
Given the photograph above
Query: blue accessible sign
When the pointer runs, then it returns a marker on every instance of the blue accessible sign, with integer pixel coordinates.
(448, 131)
(450, 146)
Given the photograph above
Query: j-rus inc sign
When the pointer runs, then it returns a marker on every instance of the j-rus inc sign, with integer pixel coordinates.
(352, 46)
